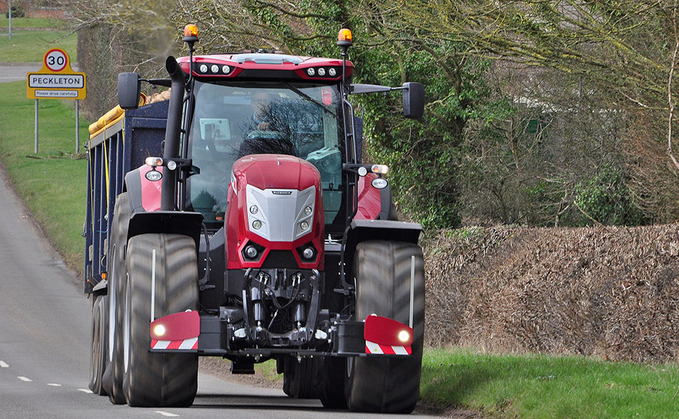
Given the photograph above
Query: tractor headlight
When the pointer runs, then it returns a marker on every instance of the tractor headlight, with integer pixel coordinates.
(153, 175)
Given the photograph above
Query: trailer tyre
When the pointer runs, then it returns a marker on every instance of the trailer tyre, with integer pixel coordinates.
(99, 347)
(383, 280)
(152, 379)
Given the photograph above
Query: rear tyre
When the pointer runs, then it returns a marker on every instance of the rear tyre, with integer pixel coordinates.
(383, 280)
(331, 389)
(298, 378)
(112, 379)
(98, 352)
(152, 379)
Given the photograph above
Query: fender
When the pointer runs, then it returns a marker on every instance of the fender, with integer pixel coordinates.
(363, 230)
(167, 222)
(373, 203)
(144, 194)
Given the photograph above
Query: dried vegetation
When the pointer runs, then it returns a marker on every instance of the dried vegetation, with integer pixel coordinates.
(607, 292)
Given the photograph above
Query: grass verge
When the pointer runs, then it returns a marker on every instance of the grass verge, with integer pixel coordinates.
(28, 46)
(536, 386)
(31, 23)
(51, 182)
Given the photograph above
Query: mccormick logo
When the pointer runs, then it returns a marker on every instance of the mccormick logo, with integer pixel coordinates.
(281, 192)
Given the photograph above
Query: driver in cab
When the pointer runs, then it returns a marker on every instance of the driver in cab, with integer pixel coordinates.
(266, 132)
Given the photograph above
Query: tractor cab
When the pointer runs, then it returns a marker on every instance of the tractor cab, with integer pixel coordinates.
(232, 119)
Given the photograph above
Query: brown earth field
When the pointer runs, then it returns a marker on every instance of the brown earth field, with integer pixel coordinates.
(606, 292)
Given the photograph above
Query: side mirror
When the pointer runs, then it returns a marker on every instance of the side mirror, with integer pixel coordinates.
(413, 100)
(129, 90)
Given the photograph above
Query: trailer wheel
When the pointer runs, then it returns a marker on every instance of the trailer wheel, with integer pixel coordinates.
(383, 281)
(160, 380)
(112, 380)
(99, 347)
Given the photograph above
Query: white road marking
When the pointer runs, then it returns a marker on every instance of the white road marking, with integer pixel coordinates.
(167, 414)
(54, 385)
(26, 379)
(3, 364)
(85, 390)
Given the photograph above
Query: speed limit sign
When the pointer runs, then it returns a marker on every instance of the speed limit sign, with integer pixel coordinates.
(56, 60)
(56, 79)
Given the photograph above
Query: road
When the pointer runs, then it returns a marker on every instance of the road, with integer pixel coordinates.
(44, 339)
(17, 72)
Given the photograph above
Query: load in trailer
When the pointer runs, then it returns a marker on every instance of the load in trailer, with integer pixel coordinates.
(237, 220)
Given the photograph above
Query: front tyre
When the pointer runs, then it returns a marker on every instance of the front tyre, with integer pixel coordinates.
(152, 379)
(112, 380)
(383, 287)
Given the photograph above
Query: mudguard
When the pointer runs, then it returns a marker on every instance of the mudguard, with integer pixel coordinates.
(144, 194)
(374, 203)
(362, 230)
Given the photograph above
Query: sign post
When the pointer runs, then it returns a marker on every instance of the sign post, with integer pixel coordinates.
(56, 80)
(9, 15)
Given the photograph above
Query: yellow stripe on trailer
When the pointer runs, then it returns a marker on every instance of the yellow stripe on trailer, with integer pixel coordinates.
(110, 118)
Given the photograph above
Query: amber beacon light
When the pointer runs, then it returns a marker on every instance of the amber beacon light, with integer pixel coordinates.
(345, 38)
(190, 33)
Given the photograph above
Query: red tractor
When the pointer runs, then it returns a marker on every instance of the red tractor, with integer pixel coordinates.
(258, 235)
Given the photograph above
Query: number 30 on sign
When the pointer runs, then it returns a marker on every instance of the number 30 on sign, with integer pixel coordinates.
(56, 60)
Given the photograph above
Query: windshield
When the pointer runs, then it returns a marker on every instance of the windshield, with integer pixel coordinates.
(233, 120)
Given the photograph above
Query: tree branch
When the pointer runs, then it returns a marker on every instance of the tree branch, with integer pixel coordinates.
(670, 102)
